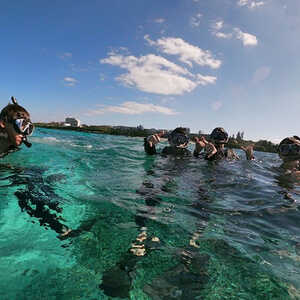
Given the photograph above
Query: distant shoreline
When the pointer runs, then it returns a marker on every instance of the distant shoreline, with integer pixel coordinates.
(262, 145)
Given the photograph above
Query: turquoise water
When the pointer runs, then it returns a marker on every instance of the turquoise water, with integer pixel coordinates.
(202, 231)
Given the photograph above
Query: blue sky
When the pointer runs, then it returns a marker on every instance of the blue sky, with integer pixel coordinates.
(161, 64)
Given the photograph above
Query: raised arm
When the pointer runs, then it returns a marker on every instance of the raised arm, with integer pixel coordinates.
(248, 151)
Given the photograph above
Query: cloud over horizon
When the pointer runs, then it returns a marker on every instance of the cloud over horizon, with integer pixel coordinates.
(133, 108)
(187, 53)
(155, 74)
(247, 38)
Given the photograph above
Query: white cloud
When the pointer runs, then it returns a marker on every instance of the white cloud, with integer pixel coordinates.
(216, 105)
(247, 38)
(133, 108)
(204, 80)
(195, 21)
(222, 35)
(218, 25)
(155, 74)
(250, 3)
(261, 74)
(159, 20)
(70, 81)
(187, 53)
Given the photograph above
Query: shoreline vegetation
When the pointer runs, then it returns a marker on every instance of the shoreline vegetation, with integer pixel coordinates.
(139, 131)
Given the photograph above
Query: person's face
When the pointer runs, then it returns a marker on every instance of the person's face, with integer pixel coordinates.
(290, 155)
(13, 137)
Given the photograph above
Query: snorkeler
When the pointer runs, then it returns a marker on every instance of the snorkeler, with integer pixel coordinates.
(15, 127)
(289, 152)
(215, 150)
(178, 143)
(151, 141)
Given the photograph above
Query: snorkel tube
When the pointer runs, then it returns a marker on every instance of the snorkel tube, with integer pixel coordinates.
(25, 141)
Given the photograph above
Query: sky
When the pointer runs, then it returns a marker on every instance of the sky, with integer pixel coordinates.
(160, 63)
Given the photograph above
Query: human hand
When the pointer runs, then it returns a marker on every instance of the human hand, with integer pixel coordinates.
(202, 139)
(248, 151)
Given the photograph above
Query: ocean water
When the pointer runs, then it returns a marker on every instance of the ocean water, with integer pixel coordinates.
(144, 227)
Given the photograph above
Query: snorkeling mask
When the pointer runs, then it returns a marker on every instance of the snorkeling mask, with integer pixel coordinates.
(289, 149)
(24, 127)
(178, 139)
(219, 135)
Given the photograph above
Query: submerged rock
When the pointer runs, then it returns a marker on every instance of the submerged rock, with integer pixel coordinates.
(180, 282)
(116, 283)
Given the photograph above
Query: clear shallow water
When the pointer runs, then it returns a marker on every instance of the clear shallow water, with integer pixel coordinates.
(208, 231)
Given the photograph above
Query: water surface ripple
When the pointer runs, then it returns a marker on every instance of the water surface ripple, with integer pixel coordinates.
(144, 227)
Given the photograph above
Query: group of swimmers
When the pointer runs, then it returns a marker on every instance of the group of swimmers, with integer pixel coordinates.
(16, 126)
(214, 149)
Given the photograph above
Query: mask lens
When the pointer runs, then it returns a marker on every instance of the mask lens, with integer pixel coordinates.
(289, 149)
(179, 139)
(29, 129)
(23, 126)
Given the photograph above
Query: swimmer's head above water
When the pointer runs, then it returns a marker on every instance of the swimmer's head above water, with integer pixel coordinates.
(178, 138)
(219, 136)
(289, 148)
(15, 125)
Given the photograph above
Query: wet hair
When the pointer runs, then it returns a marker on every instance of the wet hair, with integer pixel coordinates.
(180, 130)
(13, 111)
(219, 135)
(290, 140)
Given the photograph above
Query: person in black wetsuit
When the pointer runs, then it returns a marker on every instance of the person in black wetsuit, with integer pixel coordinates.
(15, 127)
(37, 198)
(178, 140)
(215, 150)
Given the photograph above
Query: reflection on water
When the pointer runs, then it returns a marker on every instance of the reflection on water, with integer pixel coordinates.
(144, 227)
